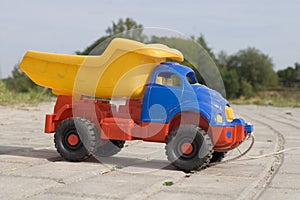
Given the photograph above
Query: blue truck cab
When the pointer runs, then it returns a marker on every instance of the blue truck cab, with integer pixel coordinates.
(174, 89)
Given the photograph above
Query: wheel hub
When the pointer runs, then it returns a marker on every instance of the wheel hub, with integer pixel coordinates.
(187, 148)
(73, 139)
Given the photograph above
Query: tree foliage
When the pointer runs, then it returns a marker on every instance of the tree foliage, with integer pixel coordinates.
(255, 67)
(123, 26)
(201, 41)
(290, 77)
(247, 72)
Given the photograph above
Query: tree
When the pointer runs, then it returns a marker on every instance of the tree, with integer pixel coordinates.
(229, 75)
(201, 40)
(231, 82)
(123, 26)
(290, 77)
(254, 68)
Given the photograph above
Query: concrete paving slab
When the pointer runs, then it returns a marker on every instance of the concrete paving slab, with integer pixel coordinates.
(233, 169)
(63, 172)
(280, 194)
(6, 167)
(14, 187)
(65, 196)
(31, 167)
(231, 186)
(26, 154)
(286, 180)
(171, 195)
(112, 185)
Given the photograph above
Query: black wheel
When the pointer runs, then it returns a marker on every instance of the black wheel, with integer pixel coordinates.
(76, 139)
(189, 148)
(109, 148)
(217, 156)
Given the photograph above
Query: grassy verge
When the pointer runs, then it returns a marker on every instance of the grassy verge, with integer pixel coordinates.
(280, 98)
(33, 97)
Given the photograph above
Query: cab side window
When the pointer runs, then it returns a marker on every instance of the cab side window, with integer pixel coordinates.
(169, 79)
(191, 78)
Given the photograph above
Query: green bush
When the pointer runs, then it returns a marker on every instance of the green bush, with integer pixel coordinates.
(19, 82)
(246, 89)
(8, 97)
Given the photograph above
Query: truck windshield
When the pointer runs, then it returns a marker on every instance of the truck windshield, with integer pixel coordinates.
(169, 79)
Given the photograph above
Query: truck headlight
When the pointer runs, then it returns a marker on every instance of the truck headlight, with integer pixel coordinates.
(219, 118)
(229, 114)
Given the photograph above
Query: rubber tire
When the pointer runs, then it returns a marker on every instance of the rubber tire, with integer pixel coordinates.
(110, 148)
(202, 151)
(217, 156)
(87, 132)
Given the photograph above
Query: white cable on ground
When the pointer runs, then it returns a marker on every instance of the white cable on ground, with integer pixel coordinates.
(251, 135)
(270, 154)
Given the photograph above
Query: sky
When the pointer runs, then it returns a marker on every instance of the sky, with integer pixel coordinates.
(66, 26)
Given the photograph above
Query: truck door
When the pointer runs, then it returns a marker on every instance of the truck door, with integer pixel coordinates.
(163, 95)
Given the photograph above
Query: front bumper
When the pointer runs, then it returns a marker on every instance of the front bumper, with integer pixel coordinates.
(230, 135)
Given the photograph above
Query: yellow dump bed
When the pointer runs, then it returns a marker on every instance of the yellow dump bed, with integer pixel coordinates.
(121, 71)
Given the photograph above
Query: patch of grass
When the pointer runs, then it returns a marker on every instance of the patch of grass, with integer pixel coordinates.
(119, 167)
(168, 183)
(280, 98)
(32, 97)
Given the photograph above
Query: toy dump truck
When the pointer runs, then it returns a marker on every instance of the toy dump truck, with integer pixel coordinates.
(163, 102)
